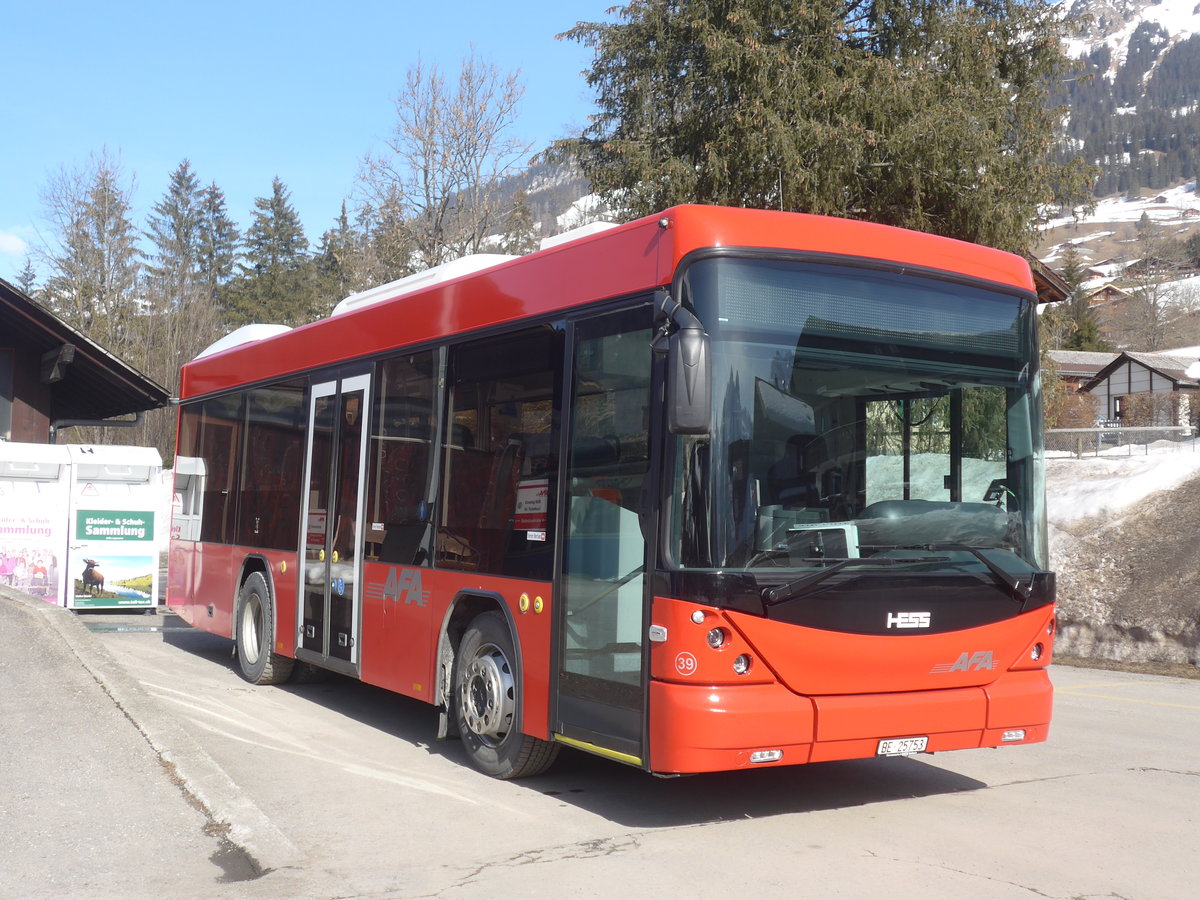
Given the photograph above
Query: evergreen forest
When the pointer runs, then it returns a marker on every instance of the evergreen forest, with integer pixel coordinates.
(1140, 122)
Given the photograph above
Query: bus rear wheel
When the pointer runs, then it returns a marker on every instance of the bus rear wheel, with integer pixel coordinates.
(254, 632)
(487, 688)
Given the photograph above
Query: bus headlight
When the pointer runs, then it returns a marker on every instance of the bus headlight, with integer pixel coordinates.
(741, 665)
(717, 638)
(1037, 652)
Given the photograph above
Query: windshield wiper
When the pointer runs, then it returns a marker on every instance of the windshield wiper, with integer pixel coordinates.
(801, 586)
(1019, 591)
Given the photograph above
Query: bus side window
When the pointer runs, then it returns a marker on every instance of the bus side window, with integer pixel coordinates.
(272, 470)
(496, 507)
(220, 441)
(397, 518)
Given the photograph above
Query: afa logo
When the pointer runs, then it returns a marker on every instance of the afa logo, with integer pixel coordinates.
(401, 585)
(980, 661)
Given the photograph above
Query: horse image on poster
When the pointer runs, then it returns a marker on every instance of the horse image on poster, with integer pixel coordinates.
(93, 578)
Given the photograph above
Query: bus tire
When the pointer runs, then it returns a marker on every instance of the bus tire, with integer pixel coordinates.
(254, 633)
(487, 686)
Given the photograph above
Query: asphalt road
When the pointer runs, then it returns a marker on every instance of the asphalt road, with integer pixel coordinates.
(341, 791)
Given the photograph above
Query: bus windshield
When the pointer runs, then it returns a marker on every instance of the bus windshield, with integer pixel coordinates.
(860, 413)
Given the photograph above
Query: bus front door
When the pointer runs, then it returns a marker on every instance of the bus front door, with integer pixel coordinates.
(601, 619)
(330, 598)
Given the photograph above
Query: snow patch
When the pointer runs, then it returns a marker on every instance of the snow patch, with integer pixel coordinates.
(1165, 206)
(243, 335)
(1180, 19)
(1107, 485)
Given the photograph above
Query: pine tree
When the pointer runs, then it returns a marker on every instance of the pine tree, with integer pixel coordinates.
(27, 278)
(278, 280)
(1086, 335)
(219, 242)
(929, 115)
(96, 266)
(275, 240)
(182, 313)
(520, 233)
(1084, 331)
(174, 227)
(339, 261)
(1191, 248)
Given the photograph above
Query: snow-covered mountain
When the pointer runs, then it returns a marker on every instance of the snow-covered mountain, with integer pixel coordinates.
(1113, 22)
(1136, 113)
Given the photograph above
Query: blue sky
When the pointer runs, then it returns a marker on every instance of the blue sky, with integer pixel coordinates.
(251, 90)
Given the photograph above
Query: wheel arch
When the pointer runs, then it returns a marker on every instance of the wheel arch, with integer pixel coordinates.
(465, 606)
(258, 660)
(251, 564)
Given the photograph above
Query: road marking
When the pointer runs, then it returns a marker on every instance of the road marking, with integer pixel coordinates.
(1113, 684)
(1077, 693)
(272, 740)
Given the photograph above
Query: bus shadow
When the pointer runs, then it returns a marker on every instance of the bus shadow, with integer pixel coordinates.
(622, 794)
(182, 636)
(632, 798)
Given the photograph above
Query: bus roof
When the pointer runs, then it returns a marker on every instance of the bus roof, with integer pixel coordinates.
(631, 258)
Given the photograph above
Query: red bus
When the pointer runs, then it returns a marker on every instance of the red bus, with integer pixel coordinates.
(711, 490)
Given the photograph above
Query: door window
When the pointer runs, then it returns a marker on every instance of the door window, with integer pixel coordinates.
(333, 519)
(399, 460)
(499, 455)
(603, 585)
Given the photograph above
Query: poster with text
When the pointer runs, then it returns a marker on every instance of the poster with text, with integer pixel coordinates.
(33, 541)
(114, 558)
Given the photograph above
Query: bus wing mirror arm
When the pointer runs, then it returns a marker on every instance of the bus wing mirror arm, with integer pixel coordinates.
(689, 376)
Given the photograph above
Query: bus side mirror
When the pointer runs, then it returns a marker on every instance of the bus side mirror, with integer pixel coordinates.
(689, 381)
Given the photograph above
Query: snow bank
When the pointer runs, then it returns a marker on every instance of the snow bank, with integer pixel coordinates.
(1106, 485)
(1122, 542)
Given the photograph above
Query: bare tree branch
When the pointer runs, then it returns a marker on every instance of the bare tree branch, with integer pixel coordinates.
(448, 152)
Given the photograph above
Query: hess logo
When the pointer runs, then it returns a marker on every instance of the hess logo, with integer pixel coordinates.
(908, 620)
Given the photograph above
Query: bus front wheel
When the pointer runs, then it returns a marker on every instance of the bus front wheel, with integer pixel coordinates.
(487, 689)
(254, 633)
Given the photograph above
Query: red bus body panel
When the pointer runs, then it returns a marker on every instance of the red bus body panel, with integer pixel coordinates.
(400, 635)
(635, 257)
(203, 576)
(705, 717)
(807, 693)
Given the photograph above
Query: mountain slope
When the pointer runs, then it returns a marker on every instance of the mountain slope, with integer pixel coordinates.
(1136, 111)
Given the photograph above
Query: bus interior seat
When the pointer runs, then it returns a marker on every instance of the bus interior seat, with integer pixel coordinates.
(402, 544)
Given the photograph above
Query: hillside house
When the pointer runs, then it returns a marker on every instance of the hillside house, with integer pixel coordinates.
(1077, 367)
(1106, 294)
(1144, 389)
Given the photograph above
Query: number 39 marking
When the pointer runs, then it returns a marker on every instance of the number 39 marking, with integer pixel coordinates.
(685, 664)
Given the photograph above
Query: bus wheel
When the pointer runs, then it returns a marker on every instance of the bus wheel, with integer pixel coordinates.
(487, 687)
(254, 631)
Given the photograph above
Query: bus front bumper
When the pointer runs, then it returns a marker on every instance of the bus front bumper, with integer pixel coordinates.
(713, 728)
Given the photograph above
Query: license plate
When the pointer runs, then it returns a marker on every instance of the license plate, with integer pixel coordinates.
(902, 746)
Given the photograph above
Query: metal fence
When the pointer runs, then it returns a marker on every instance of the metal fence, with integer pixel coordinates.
(1109, 440)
